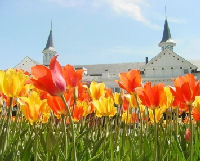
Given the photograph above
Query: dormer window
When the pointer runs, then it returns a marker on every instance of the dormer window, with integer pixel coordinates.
(141, 72)
(186, 71)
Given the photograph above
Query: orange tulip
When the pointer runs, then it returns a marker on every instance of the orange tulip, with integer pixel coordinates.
(73, 77)
(129, 81)
(83, 94)
(125, 104)
(186, 89)
(196, 114)
(78, 113)
(109, 92)
(152, 96)
(50, 80)
(57, 105)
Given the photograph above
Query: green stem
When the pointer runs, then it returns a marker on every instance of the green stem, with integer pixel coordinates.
(65, 134)
(177, 130)
(72, 126)
(36, 143)
(7, 127)
(156, 136)
(141, 124)
(191, 129)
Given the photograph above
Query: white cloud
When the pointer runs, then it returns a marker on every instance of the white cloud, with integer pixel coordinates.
(131, 8)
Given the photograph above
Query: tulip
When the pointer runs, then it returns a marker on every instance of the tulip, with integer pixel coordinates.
(152, 96)
(50, 80)
(129, 118)
(12, 82)
(72, 77)
(186, 89)
(33, 108)
(97, 90)
(187, 135)
(104, 107)
(118, 98)
(129, 81)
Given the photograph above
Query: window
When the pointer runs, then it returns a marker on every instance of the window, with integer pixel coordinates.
(172, 68)
(116, 89)
(162, 68)
(180, 67)
(95, 74)
(186, 71)
(141, 72)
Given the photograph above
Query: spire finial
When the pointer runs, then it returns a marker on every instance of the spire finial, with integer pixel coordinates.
(165, 9)
(51, 24)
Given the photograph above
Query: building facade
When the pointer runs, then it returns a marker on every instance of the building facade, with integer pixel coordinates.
(162, 68)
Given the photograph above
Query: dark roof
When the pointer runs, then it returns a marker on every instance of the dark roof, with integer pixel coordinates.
(49, 41)
(166, 32)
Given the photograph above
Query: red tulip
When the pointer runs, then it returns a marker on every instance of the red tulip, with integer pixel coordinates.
(187, 135)
(50, 80)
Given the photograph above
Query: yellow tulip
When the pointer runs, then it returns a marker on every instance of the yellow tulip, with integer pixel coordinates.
(12, 82)
(34, 109)
(196, 103)
(158, 114)
(132, 100)
(97, 90)
(104, 107)
(169, 99)
(126, 118)
(118, 98)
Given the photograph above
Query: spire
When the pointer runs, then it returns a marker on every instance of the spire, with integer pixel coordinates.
(166, 33)
(50, 39)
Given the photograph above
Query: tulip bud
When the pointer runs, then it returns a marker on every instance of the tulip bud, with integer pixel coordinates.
(187, 135)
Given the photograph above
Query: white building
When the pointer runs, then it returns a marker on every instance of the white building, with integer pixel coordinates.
(162, 68)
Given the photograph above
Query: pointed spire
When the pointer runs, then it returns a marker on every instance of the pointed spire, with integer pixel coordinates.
(166, 33)
(50, 39)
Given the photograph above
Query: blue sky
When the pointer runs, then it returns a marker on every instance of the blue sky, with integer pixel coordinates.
(96, 31)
